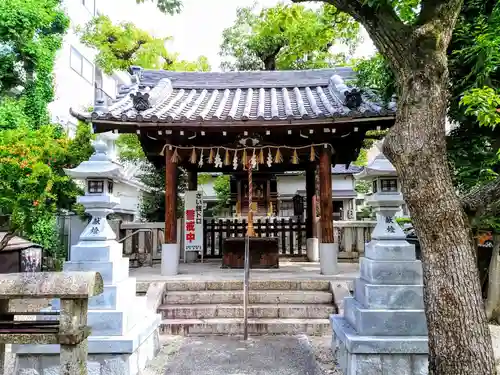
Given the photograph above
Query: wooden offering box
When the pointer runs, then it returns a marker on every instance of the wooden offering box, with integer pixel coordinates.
(264, 252)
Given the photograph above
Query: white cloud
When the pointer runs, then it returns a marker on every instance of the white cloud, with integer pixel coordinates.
(197, 30)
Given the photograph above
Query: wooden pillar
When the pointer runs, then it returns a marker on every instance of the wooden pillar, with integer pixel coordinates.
(311, 203)
(239, 198)
(325, 192)
(192, 180)
(170, 198)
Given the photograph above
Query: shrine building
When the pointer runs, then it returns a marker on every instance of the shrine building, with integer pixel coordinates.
(262, 122)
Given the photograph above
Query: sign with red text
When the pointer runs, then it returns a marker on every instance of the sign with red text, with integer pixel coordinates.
(193, 221)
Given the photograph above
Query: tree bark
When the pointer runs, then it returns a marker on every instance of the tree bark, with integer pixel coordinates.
(459, 338)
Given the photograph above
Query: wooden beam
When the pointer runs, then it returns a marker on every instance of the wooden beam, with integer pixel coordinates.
(325, 187)
(170, 198)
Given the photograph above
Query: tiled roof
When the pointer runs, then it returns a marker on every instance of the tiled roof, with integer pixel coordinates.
(239, 96)
(342, 169)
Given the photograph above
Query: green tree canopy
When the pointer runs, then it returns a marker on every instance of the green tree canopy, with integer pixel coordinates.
(31, 32)
(287, 37)
(124, 45)
(166, 6)
(33, 185)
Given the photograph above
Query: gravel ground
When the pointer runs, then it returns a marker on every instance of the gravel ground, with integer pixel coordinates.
(265, 355)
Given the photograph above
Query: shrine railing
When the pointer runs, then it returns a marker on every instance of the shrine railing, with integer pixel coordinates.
(291, 234)
(351, 237)
(142, 241)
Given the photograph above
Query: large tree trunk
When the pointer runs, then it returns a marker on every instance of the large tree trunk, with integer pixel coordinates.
(493, 300)
(459, 339)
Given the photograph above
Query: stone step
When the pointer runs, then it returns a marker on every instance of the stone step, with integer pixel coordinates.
(321, 285)
(234, 326)
(373, 296)
(206, 311)
(255, 297)
(403, 272)
(384, 322)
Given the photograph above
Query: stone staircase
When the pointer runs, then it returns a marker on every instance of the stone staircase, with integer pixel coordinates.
(276, 307)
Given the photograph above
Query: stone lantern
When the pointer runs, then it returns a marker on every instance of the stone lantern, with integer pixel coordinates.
(386, 198)
(124, 331)
(98, 173)
(383, 329)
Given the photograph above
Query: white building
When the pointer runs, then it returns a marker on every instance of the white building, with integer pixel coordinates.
(292, 183)
(78, 82)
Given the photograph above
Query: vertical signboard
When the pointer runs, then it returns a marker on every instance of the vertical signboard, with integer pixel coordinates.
(193, 221)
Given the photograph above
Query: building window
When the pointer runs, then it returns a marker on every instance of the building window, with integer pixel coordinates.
(81, 65)
(90, 5)
(286, 209)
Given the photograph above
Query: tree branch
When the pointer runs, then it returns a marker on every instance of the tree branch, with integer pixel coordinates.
(389, 34)
(483, 199)
(5, 240)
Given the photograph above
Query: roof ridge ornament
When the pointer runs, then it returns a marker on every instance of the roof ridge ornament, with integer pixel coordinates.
(351, 97)
(140, 101)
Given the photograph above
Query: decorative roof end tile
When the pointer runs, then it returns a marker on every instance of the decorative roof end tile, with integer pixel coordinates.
(353, 98)
(140, 101)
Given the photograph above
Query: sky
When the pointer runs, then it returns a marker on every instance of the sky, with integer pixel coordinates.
(197, 30)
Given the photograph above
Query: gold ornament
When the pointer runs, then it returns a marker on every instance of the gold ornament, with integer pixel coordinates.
(244, 157)
(278, 158)
(227, 158)
(193, 158)
(295, 157)
(211, 157)
(261, 156)
(175, 156)
(312, 157)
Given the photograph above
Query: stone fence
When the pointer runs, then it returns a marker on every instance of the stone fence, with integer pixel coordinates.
(70, 331)
(142, 241)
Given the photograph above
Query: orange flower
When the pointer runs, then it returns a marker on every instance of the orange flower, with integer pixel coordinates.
(35, 203)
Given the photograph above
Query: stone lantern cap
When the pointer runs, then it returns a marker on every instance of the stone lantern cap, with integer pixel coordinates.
(378, 167)
(99, 165)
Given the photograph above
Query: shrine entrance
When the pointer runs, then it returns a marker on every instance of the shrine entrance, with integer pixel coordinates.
(249, 125)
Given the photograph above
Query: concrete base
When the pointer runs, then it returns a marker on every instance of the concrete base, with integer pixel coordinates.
(190, 256)
(170, 254)
(125, 355)
(328, 258)
(386, 355)
(312, 247)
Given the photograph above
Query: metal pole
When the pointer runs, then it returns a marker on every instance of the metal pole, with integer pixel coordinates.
(246, 287)
(246, 276)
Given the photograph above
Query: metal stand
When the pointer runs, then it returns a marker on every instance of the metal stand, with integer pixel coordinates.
(246, 287)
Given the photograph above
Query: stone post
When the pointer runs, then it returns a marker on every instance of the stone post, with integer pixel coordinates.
(383, 330)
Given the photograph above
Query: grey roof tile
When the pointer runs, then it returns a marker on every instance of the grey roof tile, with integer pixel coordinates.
(239, 96)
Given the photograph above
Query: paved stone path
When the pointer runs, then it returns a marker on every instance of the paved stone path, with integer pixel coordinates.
(268, 355)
